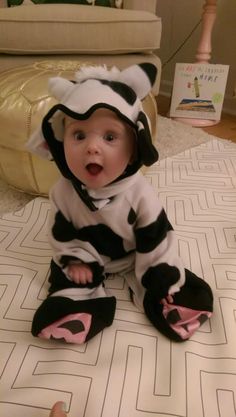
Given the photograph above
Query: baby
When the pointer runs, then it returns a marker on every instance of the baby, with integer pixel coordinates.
(105, 217)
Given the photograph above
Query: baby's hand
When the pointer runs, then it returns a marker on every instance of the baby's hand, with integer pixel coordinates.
(80, 273)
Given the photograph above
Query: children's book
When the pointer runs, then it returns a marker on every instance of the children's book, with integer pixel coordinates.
(198, 90)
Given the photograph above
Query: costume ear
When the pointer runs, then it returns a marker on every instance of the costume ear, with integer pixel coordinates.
(37, 145)
(146, 150)
(59, 87)
(140, 78)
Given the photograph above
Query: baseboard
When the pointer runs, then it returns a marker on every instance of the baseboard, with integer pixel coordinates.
(229, 106)
(166, 88)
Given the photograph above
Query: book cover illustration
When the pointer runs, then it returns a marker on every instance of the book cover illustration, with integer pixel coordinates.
(198, 90)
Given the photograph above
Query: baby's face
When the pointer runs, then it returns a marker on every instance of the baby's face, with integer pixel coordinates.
(98, 149)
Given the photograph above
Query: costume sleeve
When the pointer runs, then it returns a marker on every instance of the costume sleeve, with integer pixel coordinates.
(158, 265)
(65, 241)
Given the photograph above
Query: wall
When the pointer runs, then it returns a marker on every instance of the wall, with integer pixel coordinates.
(179, 17)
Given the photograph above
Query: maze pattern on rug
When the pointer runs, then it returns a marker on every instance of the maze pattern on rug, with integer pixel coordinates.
(129, 370)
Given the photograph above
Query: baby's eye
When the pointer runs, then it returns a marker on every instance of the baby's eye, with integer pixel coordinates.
(79, 135)
(109, 136)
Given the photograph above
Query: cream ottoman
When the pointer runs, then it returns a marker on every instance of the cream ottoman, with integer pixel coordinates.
(24, 100)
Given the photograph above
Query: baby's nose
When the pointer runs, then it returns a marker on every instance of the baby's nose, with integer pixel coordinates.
(93, 145)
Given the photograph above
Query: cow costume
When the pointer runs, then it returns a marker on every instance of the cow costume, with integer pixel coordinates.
(120, 227)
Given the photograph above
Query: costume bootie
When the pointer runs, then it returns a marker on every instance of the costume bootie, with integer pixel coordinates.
(191, 307)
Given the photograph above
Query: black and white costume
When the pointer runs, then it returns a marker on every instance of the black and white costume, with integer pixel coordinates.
(121, 227)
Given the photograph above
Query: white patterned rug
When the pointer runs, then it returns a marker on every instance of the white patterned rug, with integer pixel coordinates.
(129, 370)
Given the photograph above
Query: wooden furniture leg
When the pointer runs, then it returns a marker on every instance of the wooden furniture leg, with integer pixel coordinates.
(208, 19)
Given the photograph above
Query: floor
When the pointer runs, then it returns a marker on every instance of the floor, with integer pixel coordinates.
(225, 129)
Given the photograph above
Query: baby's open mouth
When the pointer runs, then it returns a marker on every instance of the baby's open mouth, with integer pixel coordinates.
(94, 169)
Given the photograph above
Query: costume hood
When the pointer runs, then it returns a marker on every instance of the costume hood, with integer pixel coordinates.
(97, 87)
